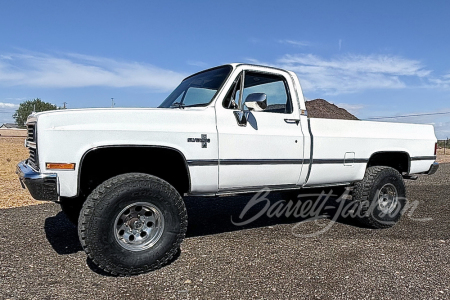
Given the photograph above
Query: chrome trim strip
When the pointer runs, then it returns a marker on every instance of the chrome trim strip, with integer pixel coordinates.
(203, 162)
(415, 158)
(326, 185)
(339, 161)
(230, 162)
(227, 162)
(242, 190)
(360, 160)
(237, 162)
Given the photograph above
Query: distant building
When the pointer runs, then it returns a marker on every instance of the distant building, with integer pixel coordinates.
(9, 126)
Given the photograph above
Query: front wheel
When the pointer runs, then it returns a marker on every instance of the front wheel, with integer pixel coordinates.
(381, 196)
(132, 223)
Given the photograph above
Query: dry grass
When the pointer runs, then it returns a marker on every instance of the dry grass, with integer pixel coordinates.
(12, 151)
(13, 132)
(441, 158)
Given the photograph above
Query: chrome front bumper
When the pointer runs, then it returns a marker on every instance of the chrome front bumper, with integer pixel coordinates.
(41, 186)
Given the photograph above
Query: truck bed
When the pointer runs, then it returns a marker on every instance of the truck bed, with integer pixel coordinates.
(341, 149)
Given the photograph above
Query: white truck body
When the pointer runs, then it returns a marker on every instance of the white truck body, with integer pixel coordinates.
(277, 153)
(118, 173)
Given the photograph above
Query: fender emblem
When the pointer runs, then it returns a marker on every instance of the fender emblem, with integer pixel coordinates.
(204, 140)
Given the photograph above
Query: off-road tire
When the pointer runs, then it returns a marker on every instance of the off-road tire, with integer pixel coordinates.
(366, 193)
(71, 207)
(98, 222)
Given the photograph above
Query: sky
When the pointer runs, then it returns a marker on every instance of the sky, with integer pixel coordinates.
(374, 58)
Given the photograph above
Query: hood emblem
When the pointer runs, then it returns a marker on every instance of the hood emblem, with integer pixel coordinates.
(204, 140)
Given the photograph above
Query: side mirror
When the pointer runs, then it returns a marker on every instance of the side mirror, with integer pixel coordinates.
(256, 101)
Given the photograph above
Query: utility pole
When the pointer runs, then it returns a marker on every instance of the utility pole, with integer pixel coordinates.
(112, 102)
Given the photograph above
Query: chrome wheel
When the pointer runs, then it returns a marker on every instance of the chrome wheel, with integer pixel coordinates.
(387, 198)
(139, 226)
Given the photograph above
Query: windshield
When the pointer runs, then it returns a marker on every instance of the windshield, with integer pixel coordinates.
(197, 90)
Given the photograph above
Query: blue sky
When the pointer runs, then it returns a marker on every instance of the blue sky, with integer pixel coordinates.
(375, 58)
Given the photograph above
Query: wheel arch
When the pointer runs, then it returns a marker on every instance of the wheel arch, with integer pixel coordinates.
(399, 160)
(167, 163)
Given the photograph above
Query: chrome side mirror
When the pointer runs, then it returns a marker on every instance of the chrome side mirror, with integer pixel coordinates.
(256, 101)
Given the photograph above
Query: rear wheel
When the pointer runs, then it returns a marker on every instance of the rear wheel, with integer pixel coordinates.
(382, 197)
(132, 223)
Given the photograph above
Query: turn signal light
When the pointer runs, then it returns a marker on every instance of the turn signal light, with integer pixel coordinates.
(435, 148)
(59, 166)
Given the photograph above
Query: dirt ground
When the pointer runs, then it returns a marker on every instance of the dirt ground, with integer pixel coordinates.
(12, 151)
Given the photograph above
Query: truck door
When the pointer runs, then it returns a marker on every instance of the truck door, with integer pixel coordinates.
(266, 151)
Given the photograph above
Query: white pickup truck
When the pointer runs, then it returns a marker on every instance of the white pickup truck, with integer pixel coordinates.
(120, 174)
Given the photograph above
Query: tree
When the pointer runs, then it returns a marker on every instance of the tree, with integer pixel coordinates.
(27, 107)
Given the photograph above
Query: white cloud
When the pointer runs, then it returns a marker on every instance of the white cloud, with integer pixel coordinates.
(352, 73)
(75, 70)
(6, 112)
(197, 63)
(443, 82)
(17, 99)
(8, 105)
(376, 64)
(352, 108)
(442, 130)
(295, 43)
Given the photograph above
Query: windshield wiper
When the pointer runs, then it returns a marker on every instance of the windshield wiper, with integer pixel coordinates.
(181, 105)
(195, 105)
(178, 105)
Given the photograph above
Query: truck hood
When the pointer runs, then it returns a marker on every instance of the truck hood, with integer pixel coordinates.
(124, 119)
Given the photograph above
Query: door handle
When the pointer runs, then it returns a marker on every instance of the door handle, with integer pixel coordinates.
(292, 121)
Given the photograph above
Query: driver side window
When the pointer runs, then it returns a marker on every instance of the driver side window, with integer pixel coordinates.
(274, 86)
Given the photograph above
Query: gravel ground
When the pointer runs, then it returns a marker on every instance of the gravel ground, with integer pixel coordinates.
(41, 257)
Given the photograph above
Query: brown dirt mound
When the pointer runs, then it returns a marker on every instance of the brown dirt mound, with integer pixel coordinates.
(320, 108)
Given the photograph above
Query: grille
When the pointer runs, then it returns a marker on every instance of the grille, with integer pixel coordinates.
(31, 132)
(31, 137)
(32, 160)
